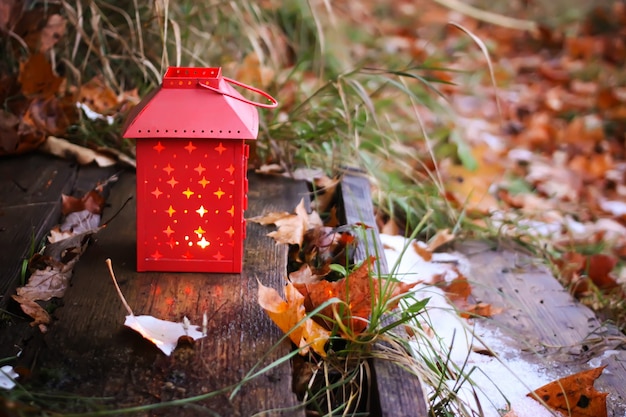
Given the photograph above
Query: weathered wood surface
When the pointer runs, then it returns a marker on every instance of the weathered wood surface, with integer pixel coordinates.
(30, 204)
(92, 353)
(543, 320)
(397, 392)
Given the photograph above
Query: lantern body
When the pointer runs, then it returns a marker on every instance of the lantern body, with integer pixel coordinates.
(191, 173)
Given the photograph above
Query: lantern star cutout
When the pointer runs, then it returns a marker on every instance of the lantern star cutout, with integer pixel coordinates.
(170, 211)
(201, 211)
(203, 243)
(231, 211)
(219, 193)
(199, 231)
(168, 169)
(172, 182)
(220, 149)
(218, 256)
(156, 192)
(230, 232)
(168, 231)
(190, 147)
(203, 182)
(230, 169)
(199, 169)
(158, 147)
(156, 255)
(188, 193)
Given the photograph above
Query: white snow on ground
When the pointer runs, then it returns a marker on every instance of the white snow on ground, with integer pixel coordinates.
(501, 383)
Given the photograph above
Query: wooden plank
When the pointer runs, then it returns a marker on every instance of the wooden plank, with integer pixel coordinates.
(30, 194)
(546, 324)
(396, 392)
(94, 354)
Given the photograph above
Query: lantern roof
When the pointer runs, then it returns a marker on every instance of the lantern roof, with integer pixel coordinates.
(193, 103)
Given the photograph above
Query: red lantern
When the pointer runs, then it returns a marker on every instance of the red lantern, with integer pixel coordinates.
(191, 171)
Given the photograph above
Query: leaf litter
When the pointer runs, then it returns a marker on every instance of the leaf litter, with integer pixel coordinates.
(424, 272)
(51, 268)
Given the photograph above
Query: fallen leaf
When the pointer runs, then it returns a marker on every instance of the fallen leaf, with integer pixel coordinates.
(480, 309)
(47, 283)
(84, 156)
(164, 334)
(92, 201)
(574, 395)
(287, 314)
(7, 377)
(99, 97)
(355, 291)
(441, 238)
(52, 32)
(37, 78)
(291, 227)
(34, 310)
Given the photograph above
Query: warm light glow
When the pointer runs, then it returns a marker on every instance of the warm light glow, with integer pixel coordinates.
(204, 182)
(188, 193)
(203, 243)
(201, 211)
(199, 169)
(219, 193)
(172, 182)
(170, 211)
(199, 231)
(156, 192)
(168, 169)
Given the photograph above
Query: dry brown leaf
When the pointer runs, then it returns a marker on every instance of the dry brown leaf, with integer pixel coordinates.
(34, 310)
(52, 32)
(92, 201)
(98, 96)
(47, 283)
(441, 238)
(84, 156)
(37, 78)
(287, 314)
(574, 395)
(480, 309)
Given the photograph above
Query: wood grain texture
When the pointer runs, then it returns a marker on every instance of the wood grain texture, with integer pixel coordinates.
(397, 392)
(96, 354)
(542, 320)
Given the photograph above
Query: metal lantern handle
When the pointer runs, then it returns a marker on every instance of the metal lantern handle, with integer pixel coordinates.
(273, 104)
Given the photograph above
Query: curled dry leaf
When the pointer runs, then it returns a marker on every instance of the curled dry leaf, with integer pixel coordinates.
(34, 310)
(291, 227)
(92, 201)
(287, 314)
(84, 156)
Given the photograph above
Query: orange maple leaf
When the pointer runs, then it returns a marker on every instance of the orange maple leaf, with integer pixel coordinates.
(287, 315)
